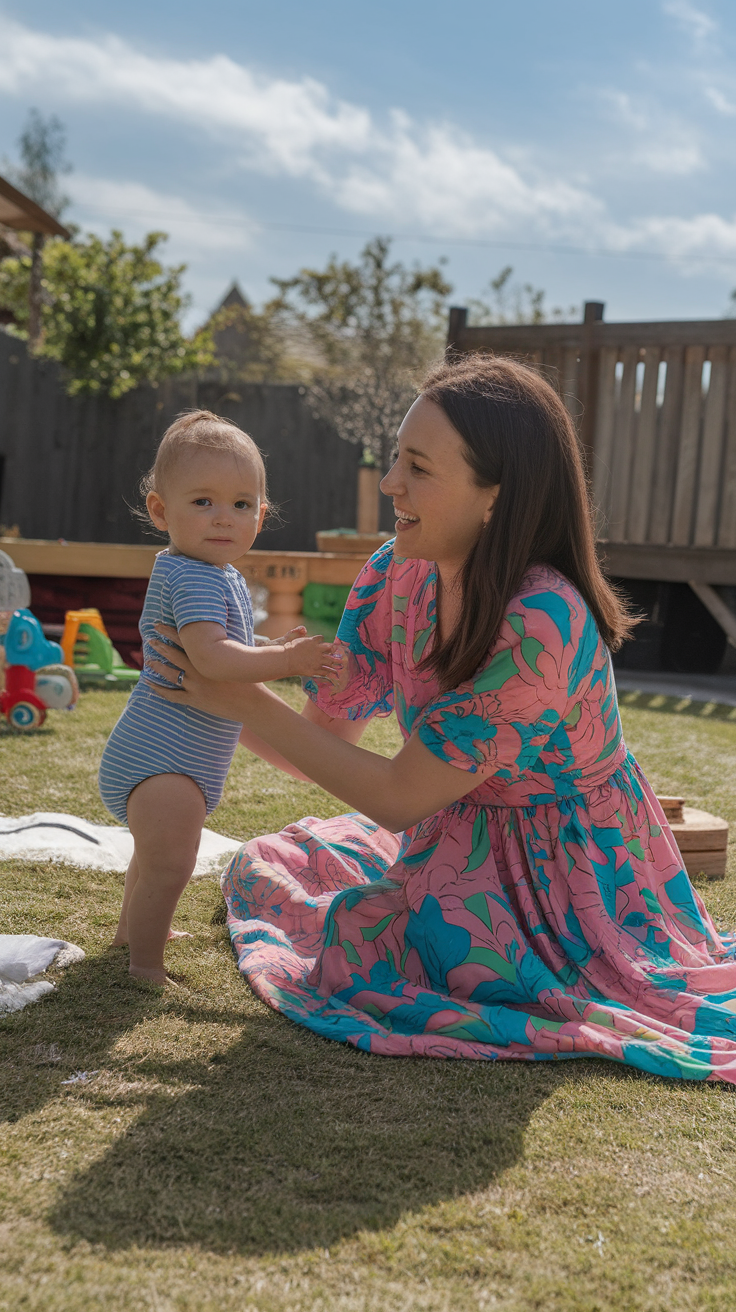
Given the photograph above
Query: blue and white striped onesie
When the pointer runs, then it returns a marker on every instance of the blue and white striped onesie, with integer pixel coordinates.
(154, 736)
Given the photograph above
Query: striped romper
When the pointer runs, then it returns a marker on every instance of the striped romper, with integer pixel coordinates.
(154, 736)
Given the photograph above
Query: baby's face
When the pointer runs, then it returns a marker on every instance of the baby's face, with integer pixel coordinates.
(211, 506)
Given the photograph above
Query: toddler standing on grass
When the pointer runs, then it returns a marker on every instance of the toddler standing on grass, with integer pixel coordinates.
(164, 766)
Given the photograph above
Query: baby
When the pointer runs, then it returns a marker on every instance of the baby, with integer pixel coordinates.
(164, 766)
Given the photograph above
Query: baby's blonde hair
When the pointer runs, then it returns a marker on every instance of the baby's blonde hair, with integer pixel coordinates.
(199, 430)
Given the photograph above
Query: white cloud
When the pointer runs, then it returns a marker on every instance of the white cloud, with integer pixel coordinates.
(659, 141)
(434, 176)
(106, 203)
(720, 102)
(689, 242)
(696, 23)
(410, 175)
(286, 122)
(442, 179)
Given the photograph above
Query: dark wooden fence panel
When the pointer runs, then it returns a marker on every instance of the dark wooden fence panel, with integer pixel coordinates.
(72, 465)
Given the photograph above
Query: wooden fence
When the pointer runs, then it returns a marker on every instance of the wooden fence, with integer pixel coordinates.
(70, 467)
(655, 405)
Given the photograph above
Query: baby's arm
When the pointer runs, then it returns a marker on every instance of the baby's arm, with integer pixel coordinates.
(218, 657)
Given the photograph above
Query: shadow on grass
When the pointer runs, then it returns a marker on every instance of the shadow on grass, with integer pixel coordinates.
(669, 705)
(286, 1141)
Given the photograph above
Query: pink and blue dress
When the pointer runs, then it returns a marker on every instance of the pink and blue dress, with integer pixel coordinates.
(546, 915)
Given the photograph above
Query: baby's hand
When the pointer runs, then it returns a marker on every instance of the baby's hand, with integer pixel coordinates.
(311, 656)
(291, 636)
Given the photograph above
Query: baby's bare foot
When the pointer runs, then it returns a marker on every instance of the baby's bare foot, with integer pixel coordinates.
(121, 941)
(156, 976)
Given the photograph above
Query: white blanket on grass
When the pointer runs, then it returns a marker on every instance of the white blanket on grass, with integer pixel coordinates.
(51, 836)
(23, 956)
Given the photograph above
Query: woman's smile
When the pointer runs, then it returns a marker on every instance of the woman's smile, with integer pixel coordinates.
(404, 520)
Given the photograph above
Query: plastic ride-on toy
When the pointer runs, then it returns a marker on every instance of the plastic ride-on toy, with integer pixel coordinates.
(36, 678)
(87, 647)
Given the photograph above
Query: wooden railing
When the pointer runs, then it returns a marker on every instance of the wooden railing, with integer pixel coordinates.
(655, 405)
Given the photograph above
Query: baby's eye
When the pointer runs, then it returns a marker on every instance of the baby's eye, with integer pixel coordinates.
(202, 501)
(242, 505)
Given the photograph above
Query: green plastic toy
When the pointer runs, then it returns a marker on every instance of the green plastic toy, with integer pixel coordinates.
(96, 661)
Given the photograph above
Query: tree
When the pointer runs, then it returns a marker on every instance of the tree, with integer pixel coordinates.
(507, 302)
(42, 145)
(372, 328)
(111, 313)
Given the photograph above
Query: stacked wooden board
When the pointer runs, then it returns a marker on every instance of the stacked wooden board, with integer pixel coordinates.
(702, 838)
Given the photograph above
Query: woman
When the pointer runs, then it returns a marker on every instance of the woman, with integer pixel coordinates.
(511, 888)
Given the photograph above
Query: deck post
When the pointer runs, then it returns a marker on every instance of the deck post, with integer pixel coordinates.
(456, 327)
(588, 380)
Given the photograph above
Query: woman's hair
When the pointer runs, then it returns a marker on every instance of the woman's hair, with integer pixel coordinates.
(518, 435)
(198, 430)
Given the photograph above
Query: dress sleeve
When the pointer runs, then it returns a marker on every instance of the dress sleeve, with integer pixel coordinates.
(198, 593)
(364, 634)
(497, 723)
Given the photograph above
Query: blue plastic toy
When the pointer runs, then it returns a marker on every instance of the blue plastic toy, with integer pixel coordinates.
(25, 644)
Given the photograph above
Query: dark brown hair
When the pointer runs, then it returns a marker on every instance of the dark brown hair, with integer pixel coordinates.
(519, 436)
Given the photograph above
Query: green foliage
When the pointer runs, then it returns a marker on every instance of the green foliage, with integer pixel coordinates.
(111, 313)
(506, 302)
(373, 327)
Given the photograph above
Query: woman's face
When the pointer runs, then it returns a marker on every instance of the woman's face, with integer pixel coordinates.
(440, 510)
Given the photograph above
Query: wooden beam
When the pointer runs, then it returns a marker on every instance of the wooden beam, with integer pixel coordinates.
(281, 571)
(24, 215)
(721, 613)
(629, 560)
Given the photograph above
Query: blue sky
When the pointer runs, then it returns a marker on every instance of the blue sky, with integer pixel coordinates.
(592, 146)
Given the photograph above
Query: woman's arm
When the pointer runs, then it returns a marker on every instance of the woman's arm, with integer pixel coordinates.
(396, 792)
(349, 730)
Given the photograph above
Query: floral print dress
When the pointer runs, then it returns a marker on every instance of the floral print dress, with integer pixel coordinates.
(545, 915)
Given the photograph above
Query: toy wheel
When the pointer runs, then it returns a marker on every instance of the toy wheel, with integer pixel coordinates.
(24, 715)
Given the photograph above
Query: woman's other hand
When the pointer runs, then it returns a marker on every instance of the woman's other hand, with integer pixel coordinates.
(187, 687)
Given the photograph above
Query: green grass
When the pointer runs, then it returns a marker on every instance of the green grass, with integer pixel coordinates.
(223, 1158)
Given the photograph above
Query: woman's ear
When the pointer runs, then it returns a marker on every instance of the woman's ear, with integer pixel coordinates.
(157, 510)
(494, 491)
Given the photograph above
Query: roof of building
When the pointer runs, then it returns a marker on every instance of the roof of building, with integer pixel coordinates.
(24, 215)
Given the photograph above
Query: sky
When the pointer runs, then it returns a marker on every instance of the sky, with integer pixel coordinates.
(592, 146)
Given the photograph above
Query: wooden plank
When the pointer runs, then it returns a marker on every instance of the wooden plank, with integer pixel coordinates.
(687, 455)
(668, 440)
(716, 565)
(623, 441)
(552, 366)
(603, 448)
(711, 451)
(727, 518)
(520, 338)
(569, 381)
(644, 452)
(282, 571)
(686, 332)
(527, 338)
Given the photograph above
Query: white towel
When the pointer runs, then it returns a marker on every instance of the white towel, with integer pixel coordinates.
(51, 836)
(22, 956)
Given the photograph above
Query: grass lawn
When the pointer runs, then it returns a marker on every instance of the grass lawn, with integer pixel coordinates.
(222, 1158)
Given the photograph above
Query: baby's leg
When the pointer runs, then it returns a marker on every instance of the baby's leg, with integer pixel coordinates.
(165, 814)
(121, 933)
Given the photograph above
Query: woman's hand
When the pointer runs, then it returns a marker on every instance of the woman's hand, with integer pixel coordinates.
(188, 687)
